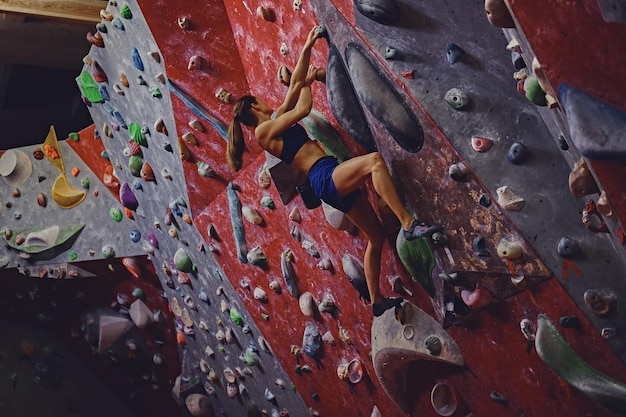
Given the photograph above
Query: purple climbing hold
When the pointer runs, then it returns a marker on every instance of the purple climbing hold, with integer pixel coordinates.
(137, 60)
(127, 198)
(153, 240)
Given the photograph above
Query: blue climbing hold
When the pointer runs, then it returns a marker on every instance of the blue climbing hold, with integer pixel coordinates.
(453, 53)
(137, 60)
(104, 93)
(518, 153)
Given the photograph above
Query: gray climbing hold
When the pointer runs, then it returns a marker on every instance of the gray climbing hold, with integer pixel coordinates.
(384, 12)
(567, 247)
(344, 103)
(457, 99)
(383, 101)
(288, 272)
(356, 274)
(597, 128)
(237, 223)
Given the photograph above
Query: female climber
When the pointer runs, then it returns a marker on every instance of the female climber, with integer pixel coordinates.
(337, 184)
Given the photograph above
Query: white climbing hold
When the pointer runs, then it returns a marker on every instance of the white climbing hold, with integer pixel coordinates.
(251, 215)
(508, 199)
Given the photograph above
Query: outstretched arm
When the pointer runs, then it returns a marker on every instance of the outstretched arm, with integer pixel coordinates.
(274, 128)
(299, 73)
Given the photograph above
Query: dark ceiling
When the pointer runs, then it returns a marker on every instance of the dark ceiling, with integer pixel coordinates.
(32, 98)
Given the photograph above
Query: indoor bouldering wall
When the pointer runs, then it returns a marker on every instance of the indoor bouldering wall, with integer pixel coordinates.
(263, 297)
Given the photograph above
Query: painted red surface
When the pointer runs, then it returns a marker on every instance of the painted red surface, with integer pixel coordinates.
(90, 151)
(209, 37)
(488, 342)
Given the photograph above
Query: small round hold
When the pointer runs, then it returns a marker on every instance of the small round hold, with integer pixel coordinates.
(481, 144)
(390, 53)
(195, 63)
(108, 251)
(433, 344)
(509, 250)
(116, 214)
(484, 200)
(567, 247)
(458, 172)
(439, 238)
(184, 23)
(600, 302)
(135, 235)
(518, 153)
(456, 98)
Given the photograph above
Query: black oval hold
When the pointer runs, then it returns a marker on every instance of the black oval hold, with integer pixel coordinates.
(344, 104)
(379, 96)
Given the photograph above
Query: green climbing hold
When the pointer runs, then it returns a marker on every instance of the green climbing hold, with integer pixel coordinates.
(72, 256)
(88, 87)
(116, 214)
(265, 317)
(155, 91)
(235, 317)
(85, 183)
(74, 136)
(559, 356)
(221, 347)
(183, 261)
(419, 260)
(134, 165)
(126, 13)
(533, 90)
(137, 135)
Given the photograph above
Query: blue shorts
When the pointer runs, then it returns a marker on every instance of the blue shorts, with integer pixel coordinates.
(321, 179)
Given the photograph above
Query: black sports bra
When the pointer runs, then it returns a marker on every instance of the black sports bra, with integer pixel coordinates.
(293, 139)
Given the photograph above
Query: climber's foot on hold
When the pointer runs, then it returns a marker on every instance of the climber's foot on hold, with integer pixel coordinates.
(417, 230)
(387, 303)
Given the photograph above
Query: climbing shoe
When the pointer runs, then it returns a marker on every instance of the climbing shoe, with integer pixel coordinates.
(386, 304)
(417, 230)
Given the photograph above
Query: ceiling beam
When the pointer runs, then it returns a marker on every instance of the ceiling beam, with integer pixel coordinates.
(85, 11)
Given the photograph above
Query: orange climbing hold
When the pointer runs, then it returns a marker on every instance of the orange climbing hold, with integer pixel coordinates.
(75, 171)
(50, 151)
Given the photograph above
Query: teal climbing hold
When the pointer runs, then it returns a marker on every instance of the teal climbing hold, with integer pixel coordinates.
(117, 24)
(88, 87)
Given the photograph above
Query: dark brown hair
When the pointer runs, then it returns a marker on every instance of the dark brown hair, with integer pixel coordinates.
(236, 143)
